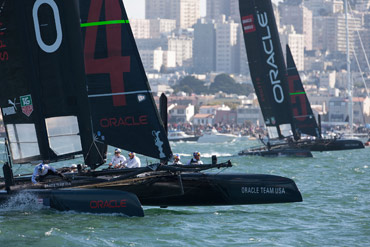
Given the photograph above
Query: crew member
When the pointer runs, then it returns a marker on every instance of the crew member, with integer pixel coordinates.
(117, 159)
(176, 160)
(196, 159)
(42, 170)
(132, 162)
(74, 168)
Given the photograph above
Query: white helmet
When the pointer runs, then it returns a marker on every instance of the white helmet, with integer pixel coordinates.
(117, 150)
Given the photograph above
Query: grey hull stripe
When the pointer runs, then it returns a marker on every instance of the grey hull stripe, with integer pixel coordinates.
(114, 94)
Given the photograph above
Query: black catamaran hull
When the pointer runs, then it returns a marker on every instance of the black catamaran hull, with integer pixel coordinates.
(201, 189)
(231, 189)
(279, 152)
(164, 188)
(331, 144)
(80, 200)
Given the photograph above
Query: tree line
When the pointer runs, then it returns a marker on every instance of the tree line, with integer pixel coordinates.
(222, 82)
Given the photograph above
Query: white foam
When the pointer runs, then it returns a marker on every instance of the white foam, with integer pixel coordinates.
(209, 155)
(22, 201)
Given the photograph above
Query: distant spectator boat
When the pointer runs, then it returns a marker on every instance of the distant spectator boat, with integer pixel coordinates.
(176, 136)
(213, 136)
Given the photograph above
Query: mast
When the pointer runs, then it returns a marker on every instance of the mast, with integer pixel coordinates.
(349, 85)
(163, 111)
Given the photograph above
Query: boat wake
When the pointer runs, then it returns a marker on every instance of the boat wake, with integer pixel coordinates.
(208, 155)
(23, 201)
(166, 211)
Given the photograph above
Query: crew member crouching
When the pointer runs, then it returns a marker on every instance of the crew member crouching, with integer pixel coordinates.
(42, 170)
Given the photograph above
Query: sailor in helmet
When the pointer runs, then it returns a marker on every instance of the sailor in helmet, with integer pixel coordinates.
(42, 170)
(74, 168)
(196, 159)
(176, 160)
(117, 159)
(132, 162)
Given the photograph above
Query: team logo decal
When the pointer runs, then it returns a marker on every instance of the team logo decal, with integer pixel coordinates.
(140, 97)
(11, 110)
(26, 105)
(248, 24)
(158, 143)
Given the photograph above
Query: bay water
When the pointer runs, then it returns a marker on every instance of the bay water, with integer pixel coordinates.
(335, 210)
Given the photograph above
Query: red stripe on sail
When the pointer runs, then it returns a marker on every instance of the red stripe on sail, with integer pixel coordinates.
(115, 64)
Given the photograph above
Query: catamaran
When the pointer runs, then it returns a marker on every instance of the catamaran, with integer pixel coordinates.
(75, 84)
(268, 73)
(286, 109)
(305, 121)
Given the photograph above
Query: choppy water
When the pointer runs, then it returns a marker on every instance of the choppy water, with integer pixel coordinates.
(335, 210)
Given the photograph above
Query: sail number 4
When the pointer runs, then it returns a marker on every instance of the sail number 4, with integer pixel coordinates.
(58, 41)
(114, 46)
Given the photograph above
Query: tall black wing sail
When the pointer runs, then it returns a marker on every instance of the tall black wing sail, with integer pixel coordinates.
(304, 119)
(266, 65)
(43, 97)
(123, 109)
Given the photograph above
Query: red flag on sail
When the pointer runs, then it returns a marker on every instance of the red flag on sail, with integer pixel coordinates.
(248, 24)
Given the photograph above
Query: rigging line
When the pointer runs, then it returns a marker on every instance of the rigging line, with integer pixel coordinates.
(101, 156)
(359, 37)
(358, 64)
(16, 171)
(88, 153)
(122, 93)
(221, 170)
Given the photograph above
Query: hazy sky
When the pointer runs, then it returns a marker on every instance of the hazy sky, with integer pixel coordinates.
(136, 8)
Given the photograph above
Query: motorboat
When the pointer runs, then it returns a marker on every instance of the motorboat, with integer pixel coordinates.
(177, 136)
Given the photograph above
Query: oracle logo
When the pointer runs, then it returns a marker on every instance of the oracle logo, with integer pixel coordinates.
(123, 121)
(108, 204)
(269, 51)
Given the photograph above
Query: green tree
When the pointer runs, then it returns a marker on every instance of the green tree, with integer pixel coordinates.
(190, 84)
(227, 84)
